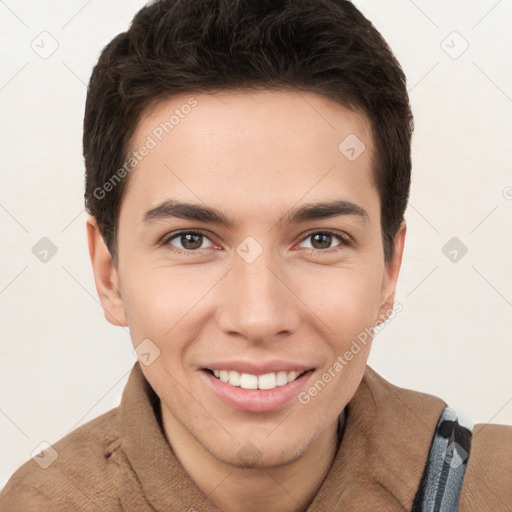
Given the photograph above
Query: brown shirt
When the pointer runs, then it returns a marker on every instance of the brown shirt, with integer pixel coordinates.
(121, 460)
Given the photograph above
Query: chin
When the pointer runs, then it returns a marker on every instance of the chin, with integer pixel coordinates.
(250, 456)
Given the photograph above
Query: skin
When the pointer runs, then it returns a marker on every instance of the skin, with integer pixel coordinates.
(254, 156)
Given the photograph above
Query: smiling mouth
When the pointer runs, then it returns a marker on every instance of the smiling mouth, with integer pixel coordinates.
(251, 381)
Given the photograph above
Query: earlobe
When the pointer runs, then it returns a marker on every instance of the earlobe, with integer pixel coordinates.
(105, 276)
(391, 273)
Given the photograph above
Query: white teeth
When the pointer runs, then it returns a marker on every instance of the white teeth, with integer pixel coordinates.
(249, 381)
(267, 381)
(234, 378)
(292, 375)
(281, 378)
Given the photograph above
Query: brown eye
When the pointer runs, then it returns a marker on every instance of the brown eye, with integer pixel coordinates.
(190, 241)
(323, 240)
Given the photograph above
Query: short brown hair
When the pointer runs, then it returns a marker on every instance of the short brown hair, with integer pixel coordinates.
(185, 46)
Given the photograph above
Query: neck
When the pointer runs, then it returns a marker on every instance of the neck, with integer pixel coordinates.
(285, 488)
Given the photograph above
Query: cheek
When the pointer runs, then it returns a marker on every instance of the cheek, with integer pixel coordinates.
(160, 302)
(150, 303)
(158, 298)
(347, 303)
(346, 299)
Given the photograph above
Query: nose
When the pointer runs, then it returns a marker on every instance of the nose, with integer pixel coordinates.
(260, 301)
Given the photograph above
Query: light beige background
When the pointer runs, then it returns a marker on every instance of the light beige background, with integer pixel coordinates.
(62, 364)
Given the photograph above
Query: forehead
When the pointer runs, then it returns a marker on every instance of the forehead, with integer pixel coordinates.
(278, 144)
(303, 115)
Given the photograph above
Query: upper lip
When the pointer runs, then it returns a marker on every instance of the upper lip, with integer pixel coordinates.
(259, 368)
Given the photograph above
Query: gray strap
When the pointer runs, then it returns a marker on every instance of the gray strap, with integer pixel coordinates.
(442, 479)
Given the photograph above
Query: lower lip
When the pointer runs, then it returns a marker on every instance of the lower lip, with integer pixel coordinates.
(257, 400)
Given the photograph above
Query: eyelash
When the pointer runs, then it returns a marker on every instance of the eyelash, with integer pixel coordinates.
(345, 242)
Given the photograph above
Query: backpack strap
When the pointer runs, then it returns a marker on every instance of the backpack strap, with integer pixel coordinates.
(441, 482)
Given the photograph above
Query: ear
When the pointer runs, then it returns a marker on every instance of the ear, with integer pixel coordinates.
(105, 276)
(391, 276)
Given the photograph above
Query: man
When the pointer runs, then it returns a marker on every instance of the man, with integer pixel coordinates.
(248, 168)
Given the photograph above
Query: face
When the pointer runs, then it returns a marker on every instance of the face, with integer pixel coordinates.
(250, 251)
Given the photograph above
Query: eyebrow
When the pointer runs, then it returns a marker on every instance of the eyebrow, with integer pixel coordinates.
(207, 214)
